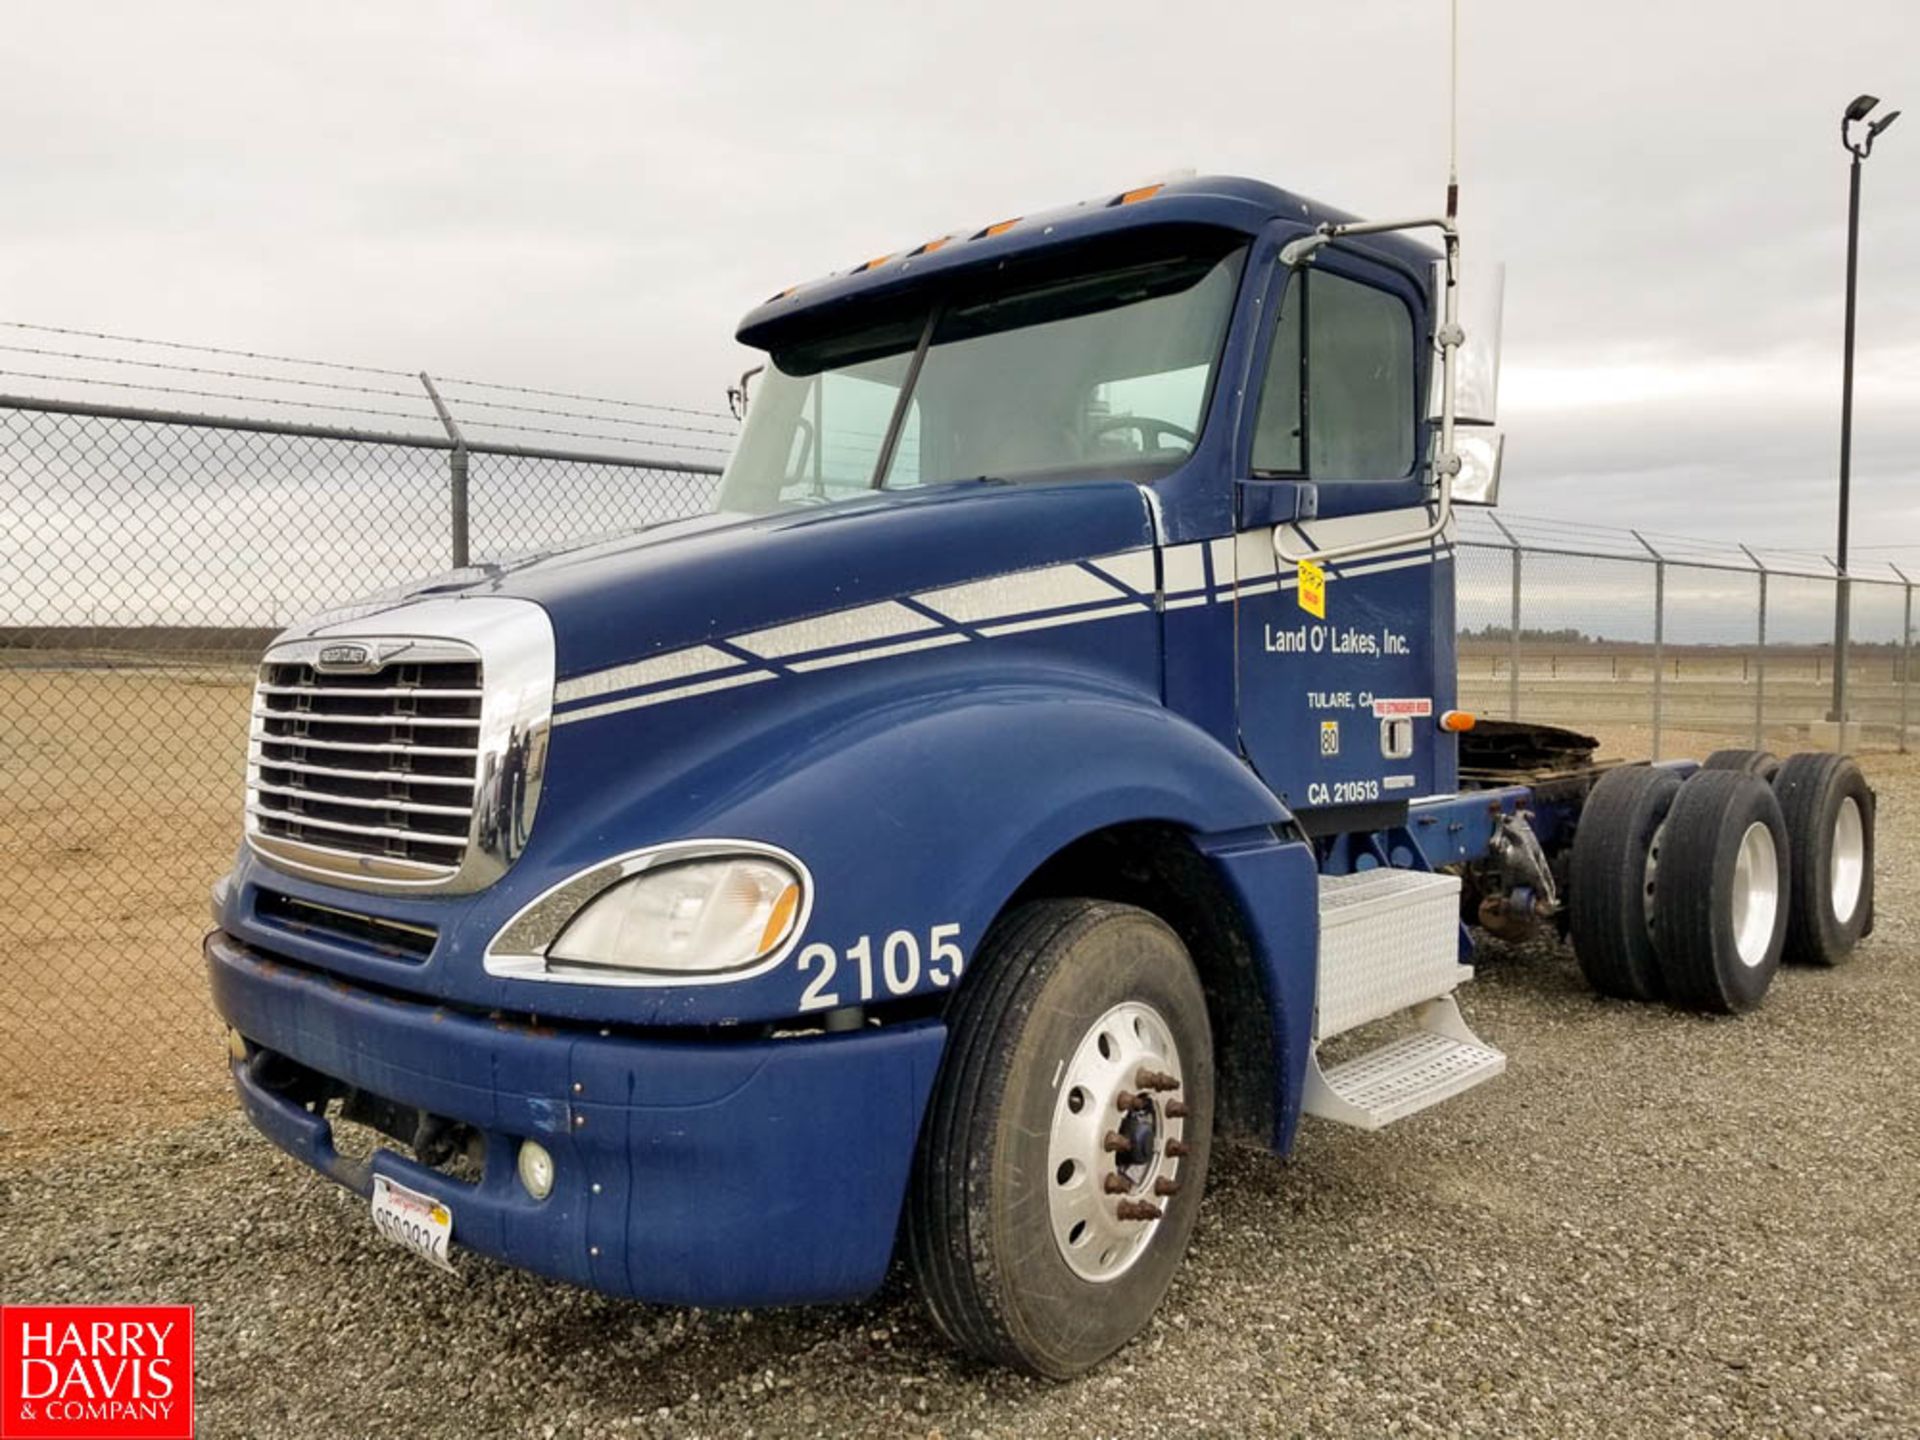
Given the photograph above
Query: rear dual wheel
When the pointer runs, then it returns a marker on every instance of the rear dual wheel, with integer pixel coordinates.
(1612, 881)
(1061, 1165)
(1720, 892)
(1829, 813)
(1696, 891)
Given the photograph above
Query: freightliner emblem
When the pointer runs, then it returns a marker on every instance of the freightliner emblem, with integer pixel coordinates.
(359, 657)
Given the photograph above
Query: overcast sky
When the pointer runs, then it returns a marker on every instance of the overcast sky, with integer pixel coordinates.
(590, 195)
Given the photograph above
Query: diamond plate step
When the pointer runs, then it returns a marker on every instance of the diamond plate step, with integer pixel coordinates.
(1389, 939)
(1437, 1061)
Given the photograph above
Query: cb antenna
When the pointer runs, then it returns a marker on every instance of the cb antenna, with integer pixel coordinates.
(1453, 112)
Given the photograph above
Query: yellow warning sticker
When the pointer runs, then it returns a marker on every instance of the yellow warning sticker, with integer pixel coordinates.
(1313, 590)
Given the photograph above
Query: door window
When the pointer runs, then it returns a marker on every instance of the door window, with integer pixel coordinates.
(1352, 402)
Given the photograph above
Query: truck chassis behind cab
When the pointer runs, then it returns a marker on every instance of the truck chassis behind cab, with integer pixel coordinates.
(1049, 743)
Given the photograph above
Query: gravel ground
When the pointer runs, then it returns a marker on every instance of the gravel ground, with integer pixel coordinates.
(1655, 1224)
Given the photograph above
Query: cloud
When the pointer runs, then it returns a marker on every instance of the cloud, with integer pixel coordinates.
(589, 196)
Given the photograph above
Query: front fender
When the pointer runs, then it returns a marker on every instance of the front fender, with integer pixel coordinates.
(916, 811)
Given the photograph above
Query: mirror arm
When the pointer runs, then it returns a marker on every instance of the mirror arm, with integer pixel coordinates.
(1446, 463)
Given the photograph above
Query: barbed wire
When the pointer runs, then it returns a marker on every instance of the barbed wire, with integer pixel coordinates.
(200, 349)
(158, 389)
(275, 359)
(342, 387)
(587, 435)
(589, 399)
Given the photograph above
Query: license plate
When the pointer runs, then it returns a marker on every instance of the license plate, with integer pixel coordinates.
(418, 1222)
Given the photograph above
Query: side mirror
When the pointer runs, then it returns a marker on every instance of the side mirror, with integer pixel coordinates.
(737, 394)
(1476, 393)
(1480, 450)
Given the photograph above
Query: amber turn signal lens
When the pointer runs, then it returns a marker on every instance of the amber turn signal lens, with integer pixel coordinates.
(1457, 721)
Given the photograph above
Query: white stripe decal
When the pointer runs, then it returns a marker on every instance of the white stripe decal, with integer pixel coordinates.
(1133, 571)
(637, 702)
(1222, 550)
(843, 627)
(1185, 568)
(1292, 582)
(945, 637)
(1360, 529)
(675, 665)
(1053, 588)
(1002, 605)
(1104, 612)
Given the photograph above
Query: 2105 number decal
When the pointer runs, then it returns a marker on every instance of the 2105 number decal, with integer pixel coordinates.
(898, 972)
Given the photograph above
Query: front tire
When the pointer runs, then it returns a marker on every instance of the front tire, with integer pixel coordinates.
(1063, 1158)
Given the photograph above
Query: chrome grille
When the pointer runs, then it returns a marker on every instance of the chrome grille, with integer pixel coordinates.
(379, 763)
(412, 761)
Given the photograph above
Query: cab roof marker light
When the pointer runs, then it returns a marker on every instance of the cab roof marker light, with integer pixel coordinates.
(1139, 193)
(999, 227)
(930, 246)
(874, 264)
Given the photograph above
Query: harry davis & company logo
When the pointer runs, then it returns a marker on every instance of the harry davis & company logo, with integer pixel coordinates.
(96, 1372)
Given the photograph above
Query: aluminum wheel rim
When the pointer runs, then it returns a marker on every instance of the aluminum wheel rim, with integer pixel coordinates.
(1848, 871)
(1756, 894)
(1127, 1055)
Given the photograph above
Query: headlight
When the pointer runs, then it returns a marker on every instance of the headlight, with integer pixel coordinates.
(697, 916)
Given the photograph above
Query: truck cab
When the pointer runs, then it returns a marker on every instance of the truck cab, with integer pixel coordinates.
(1046, 744)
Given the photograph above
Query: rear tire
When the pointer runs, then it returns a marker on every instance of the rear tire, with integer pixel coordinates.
(1828, 808)
(1763, 763)
(1720, 896)
(1607, 906)
(1013, 1222)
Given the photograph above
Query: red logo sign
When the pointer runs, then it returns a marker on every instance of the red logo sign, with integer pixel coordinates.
(96, 1372)
(1400, 709)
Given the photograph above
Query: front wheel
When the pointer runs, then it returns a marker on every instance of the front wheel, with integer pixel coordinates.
(1062, 1162)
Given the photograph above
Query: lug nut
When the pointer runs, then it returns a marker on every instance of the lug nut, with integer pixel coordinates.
(1176, 1109)
(1126, 1100)
(1114, 1185)
(1115, 1142)
(1178, 1149)
(1166, 1188)
(1137, 1210)
(1155, 1079)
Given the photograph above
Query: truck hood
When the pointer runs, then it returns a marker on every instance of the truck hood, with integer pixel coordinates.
(686, 582)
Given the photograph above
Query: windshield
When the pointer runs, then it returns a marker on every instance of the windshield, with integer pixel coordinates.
(1102, 369)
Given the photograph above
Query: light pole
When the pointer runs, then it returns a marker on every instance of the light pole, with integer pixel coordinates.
(1855, 114)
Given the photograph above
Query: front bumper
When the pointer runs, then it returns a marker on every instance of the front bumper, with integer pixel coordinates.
(716, 1173)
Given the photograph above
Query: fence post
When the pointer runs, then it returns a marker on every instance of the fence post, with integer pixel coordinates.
(456, 472)
(1513, 621)
(1659, 633)
(1906, 651)
(1760, 658)
(1842, 640)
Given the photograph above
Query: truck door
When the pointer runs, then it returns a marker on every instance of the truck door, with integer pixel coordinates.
(1337, 682)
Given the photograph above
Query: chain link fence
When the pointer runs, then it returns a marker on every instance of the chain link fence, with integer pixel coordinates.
(1679, 647)
(148, 554)
(146, 557)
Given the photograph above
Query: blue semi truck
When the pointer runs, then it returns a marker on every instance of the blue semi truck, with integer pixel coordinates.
(1048, 745)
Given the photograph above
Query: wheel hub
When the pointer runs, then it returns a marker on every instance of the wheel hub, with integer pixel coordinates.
(1114, 1150)
(1756, 894)
(1849, 867)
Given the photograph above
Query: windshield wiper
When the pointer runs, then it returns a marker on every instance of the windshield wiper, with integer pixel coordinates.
(898, 422)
